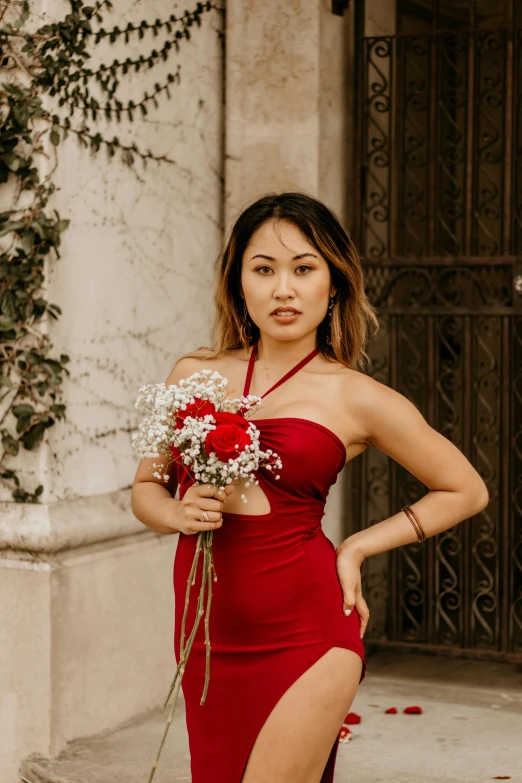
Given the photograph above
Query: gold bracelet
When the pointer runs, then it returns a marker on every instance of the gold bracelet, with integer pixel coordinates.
(407, 510)
(421, 536)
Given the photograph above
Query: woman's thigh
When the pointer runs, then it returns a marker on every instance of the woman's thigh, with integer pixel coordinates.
(295, 742)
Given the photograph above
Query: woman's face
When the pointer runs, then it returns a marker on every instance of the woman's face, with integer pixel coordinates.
(282, 272)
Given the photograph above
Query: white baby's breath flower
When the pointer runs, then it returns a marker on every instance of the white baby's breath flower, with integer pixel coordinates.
(158, 433)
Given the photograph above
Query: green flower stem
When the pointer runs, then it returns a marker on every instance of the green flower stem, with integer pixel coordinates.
(190, 581)
(207, 616)
(183, 659)
(183, 655)
(204, 543)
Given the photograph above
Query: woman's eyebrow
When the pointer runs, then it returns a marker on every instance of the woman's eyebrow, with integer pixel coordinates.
(295, 258)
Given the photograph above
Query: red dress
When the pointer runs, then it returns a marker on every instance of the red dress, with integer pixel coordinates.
(277, 605)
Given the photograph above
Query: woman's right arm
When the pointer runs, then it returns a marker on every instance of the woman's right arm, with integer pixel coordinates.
(153, 501)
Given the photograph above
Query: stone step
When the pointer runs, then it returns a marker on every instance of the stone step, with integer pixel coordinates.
(470, 731)
(122, 756)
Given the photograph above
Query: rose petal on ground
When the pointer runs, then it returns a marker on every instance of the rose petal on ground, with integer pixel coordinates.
(391, 711)
(352, 717)
(413, 710)
(345, 735)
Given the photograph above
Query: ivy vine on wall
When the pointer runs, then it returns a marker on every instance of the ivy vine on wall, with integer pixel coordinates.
(51, 66)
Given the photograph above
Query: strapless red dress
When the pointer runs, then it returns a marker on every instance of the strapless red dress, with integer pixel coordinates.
(277, 605)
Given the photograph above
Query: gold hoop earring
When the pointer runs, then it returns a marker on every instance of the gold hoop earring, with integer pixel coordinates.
(244, 330)
(330, 310)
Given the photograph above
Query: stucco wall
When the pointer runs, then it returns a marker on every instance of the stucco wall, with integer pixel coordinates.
(86, 604)
(136, 266)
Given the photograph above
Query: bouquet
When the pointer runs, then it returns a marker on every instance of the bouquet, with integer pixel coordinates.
(195, 426)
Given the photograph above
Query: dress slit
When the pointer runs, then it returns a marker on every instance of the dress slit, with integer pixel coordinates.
(328, 773)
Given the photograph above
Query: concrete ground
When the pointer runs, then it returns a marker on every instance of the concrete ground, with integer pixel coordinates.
(470, 731)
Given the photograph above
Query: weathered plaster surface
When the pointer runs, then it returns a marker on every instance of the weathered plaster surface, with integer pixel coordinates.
(135, 276)
(285, 101)
(25, 685)
(86, 603)
(53, 527)
(380, 17)
(86, 642)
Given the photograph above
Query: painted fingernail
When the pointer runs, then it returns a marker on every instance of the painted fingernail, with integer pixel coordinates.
(347, 611)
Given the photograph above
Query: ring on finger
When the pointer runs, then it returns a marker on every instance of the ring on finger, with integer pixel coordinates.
(204, 517)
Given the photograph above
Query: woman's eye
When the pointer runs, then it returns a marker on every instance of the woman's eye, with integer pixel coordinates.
(304, 267)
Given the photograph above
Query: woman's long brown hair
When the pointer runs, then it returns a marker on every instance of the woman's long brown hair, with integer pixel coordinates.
(353, 319)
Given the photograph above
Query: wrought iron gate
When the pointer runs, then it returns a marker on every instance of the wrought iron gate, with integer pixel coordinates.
(439, 224)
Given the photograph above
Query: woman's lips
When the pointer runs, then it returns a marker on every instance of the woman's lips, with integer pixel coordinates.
(285, 319)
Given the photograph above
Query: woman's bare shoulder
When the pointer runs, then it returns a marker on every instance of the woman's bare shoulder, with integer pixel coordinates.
(363, 391)
(377, 406)
(203, 358)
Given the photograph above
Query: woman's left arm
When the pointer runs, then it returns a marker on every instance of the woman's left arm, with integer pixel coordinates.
(391, 423)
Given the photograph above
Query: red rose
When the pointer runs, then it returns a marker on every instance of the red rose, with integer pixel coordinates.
(196, 409)
(224, 439)
(222, 417)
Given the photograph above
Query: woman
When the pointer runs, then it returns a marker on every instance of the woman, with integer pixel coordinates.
(287, 652)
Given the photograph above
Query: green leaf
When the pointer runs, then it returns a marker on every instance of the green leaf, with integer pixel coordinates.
(55, 138)
(10, 445)
(8, 306)
(6, 324)
(12, 161)
(15, 225)
(24, 409)
(12, 88)
(34, 436)
(52, 365)
(22, 423)
(28, 242)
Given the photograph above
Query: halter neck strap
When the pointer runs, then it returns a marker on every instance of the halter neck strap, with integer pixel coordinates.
(291, 372)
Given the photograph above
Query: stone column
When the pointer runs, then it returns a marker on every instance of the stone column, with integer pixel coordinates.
(287, 92)
(287, 117)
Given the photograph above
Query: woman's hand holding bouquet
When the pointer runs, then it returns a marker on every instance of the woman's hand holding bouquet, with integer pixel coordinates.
(197, 499)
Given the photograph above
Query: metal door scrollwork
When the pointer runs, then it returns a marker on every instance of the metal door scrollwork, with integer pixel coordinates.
(439, 224)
